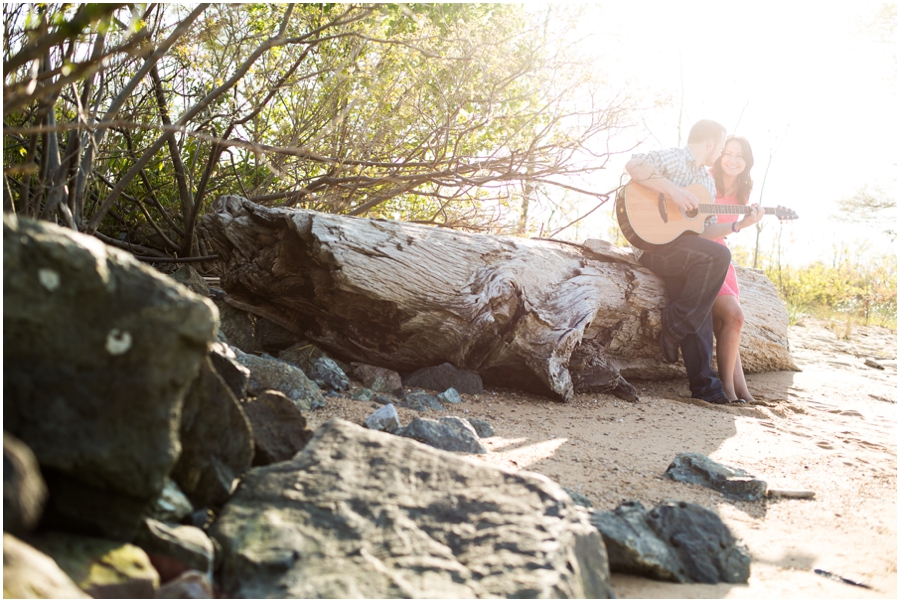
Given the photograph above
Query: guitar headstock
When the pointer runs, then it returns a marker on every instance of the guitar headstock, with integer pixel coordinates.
(783, 213)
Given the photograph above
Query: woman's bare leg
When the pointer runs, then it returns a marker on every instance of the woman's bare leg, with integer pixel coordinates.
(727, 313)
(740, 383)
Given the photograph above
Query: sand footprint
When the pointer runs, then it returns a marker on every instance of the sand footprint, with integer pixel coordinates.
(868, 444)
(852, 413)
(824, 444)
(798, 433)
(823, 407)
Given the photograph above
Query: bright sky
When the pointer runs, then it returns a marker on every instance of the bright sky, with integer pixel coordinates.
(804, 80)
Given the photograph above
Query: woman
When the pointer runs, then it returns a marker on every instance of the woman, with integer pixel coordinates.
(733, 184)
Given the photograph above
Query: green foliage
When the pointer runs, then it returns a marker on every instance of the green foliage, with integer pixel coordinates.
(450, 114)
(402, 100)
(864, 288)
(871, 205)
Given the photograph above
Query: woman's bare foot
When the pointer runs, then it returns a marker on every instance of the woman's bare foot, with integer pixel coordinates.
(747, 397)
(731, 395)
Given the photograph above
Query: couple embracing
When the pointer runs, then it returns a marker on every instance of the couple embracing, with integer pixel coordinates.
(696, 268)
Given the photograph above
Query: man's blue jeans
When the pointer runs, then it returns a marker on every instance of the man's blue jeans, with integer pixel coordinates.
(693, 269)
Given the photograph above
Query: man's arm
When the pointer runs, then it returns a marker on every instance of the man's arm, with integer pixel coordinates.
(644, 173)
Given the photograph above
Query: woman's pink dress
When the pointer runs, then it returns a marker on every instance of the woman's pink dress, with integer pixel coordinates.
(730, 286)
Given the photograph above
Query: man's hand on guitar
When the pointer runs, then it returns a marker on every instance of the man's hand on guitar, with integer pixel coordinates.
(685, 199)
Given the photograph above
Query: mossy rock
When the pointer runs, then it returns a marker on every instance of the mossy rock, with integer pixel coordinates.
(101, 567)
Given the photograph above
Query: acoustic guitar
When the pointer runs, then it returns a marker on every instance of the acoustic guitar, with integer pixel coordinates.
(648, 219)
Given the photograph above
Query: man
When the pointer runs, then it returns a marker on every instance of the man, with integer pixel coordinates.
(692, 267)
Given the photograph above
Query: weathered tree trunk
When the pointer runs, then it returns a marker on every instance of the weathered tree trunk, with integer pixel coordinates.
(540, 315)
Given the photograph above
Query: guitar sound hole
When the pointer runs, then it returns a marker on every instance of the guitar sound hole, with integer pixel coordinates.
(692, 213)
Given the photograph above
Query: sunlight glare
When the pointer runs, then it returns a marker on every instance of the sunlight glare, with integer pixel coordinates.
(813, 88)
(529, 454)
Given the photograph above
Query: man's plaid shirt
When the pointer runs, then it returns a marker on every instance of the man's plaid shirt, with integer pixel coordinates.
(680, 168)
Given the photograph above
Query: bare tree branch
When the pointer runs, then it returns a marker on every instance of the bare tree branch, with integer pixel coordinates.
(187, 115)
(86, 15)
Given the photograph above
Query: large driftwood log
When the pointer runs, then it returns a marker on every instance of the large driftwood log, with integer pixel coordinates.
(545, 316)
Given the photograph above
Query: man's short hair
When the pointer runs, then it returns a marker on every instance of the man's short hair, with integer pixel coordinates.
(706, 129)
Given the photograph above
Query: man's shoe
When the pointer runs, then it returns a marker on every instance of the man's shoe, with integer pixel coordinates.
(668, 346)
(720, 399)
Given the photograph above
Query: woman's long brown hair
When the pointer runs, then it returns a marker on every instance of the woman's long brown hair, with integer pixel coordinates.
(745, 183)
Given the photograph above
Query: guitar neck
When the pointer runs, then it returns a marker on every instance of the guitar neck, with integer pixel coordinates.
(730, 209)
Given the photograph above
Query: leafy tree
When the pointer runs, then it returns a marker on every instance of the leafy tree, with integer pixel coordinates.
(871, 206)
(127, 120)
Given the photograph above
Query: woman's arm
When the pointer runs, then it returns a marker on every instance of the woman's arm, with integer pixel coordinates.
(717, 230)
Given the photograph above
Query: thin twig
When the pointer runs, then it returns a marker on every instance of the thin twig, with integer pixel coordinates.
(127, 246)
(150, 259)
(605, 197)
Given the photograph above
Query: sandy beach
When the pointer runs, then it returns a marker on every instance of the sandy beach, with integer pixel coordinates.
(831, 428)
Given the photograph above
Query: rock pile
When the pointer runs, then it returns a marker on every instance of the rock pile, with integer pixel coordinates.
(156, 444)
(136, 427)
(99, 353)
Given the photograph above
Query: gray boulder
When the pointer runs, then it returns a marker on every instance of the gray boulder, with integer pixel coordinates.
(449, 396)
(190, 585)
(171, 505)
(174, 549)
(384, 418)
(247, 331)
(24, 490)
(448, 433)
(279, 428)
(29, 573)
(482, 427)
(690, 467)
(441, 378)
(421, 401)
(98, 354)
(363, 514)
(363, 394)
(201, 518)
(304, 355)
(217, 445)
(238, 326)
(76, 506)
(235, 374)
(267, 373)
(326, 373)
(384, 399)
(381, 380)
(189, 277)
(578, 498)
(272, 337)
(680, 542)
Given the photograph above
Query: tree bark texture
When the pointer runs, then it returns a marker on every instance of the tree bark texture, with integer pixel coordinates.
(545, 316)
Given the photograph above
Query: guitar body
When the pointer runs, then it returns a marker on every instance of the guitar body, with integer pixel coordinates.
(648, 222)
